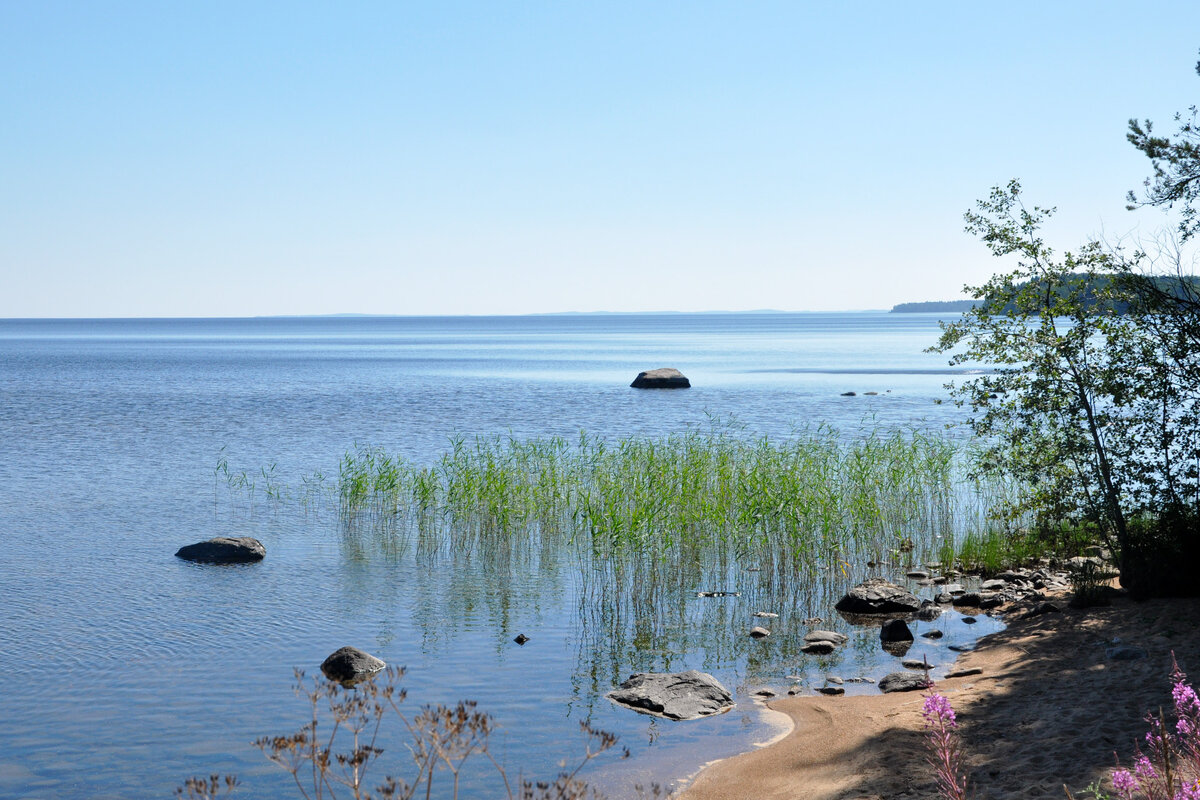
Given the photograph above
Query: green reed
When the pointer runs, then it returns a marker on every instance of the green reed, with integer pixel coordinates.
(815, 497)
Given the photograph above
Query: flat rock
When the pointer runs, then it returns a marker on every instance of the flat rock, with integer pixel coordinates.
(994, 585)
(349, 665)
(826, 636)
(818, 648)
(766, 614)
(834, 679)
(932, 634)
(224, 550)
(662, 378)
(963, 673)
(673, 695)
(877, 596)
(916, 663)
(759, 633)
(903, 682)
(831, 690)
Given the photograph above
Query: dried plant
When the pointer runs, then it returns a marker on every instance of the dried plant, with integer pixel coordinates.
(333, 753)
(210, 788)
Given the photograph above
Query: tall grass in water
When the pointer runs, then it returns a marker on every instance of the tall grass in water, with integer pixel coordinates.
(807, 502)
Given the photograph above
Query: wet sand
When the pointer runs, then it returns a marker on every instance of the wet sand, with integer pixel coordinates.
(1051, 707)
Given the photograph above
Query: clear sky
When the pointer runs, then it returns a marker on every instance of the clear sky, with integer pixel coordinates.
(247, 158)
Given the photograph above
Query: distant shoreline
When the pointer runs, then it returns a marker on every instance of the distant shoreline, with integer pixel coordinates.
(933, 305)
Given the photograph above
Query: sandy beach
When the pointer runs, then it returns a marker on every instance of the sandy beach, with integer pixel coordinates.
(1053, 705)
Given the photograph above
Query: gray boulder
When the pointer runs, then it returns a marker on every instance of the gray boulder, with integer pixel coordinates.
(903, 682)
(818, 648)
(349, 665)
(224, 550)
(673, 695)
(833, 637)
(877, 596)
(663, 378)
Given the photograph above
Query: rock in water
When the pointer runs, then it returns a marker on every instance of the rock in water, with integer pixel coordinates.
(224, 550)
(826, 636)
(903, 682)
(895, 630)
(877, 596)
(818, 648)
(349, 665)
(663, 378)
(673, 695)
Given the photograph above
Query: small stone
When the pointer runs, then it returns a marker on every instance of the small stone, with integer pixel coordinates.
(961, 648)
(765, 614)
(831, 690)
(945, 598)
(969, 620)
(826, 636)
(916, 663)
(759, 633)
(994, 585)
(967, 599)
(834, 679)
(932, 634)
(764, 693)
(916, 573)
(818, 648)
(521, 639)
(963, 673)
(848, 394)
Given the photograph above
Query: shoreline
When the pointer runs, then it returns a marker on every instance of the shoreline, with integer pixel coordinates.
(1053, 704)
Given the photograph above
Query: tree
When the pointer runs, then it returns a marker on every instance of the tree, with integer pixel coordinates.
(1084, 402)
(1176, 164)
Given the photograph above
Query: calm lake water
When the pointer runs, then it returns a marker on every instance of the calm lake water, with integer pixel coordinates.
(129, 670)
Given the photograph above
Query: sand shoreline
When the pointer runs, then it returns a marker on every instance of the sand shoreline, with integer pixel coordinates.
(1051, 707)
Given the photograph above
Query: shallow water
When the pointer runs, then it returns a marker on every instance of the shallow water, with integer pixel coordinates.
(130, 670)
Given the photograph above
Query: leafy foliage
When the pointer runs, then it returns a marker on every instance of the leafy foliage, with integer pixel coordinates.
(1176, 162)
(1095, 412)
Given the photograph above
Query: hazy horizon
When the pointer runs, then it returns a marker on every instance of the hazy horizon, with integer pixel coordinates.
(222, 160)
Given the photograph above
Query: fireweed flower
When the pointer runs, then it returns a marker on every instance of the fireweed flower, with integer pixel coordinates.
(944, 755)
(1124, 783)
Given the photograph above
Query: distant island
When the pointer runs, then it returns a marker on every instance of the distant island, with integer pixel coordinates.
(933, 305)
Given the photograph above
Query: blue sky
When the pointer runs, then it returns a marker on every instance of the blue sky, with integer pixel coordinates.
(238, 159)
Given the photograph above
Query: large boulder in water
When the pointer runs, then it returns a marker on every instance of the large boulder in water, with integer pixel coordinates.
(663, 378)
(673, 695)
(349, 665)
(224, 550)
(877, 596)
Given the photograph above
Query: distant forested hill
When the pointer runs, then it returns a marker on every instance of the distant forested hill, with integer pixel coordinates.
(1167, 285)
(932, 305)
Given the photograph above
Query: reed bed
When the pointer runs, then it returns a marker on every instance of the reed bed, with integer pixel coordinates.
(813, 501)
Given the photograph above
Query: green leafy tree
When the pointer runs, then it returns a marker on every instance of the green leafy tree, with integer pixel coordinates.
(1082, 401)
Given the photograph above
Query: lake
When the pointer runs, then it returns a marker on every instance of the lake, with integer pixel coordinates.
(130, 670)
